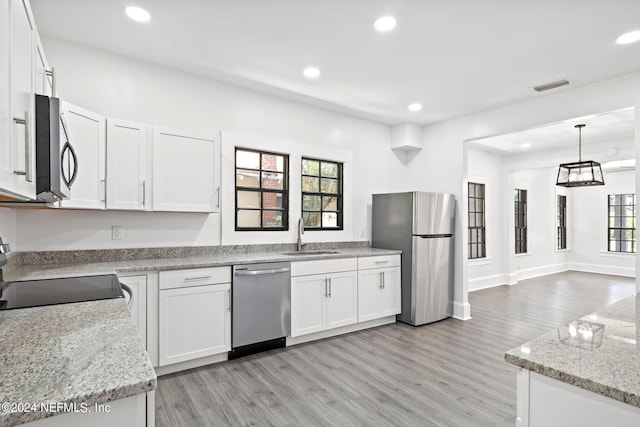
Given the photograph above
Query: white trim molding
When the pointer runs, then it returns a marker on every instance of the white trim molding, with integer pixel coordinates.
(461, 311)
(603, 269)
(487, 282)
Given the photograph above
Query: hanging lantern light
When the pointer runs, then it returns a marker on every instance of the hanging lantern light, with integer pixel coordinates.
(581, 173)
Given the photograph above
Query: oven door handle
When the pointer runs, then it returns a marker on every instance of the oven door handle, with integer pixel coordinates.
(261, 272)
(127, 289)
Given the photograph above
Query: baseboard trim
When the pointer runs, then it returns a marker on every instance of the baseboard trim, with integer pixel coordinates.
(190, 364)
(339, 331)
(543, 270)
(461, 311)
(603, 269)
(487, 282)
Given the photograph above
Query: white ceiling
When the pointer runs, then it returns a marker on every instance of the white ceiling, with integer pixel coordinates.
(612, 126)
(454, 56)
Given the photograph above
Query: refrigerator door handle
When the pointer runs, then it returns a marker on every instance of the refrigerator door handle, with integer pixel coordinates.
(433, 236)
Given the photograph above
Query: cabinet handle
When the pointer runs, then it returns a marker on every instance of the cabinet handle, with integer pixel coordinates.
(228, 299)
(382, 279)
(104, 191)
(218, 197)
(144, 192)
(381, 262)
(329, 287)
(27, 172)
(326, 287)
(186, 279)
(381, 286)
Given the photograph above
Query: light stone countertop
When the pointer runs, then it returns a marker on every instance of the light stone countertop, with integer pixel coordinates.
(612, 369)
(90, 352)
(44, 271)
(80, 353)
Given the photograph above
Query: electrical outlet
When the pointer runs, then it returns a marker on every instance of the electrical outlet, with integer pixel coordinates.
(116, 232)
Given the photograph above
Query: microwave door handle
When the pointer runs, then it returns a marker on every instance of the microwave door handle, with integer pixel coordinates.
(72, 154)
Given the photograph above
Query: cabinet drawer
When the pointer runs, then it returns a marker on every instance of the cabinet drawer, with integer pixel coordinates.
(194, 277)
(365, 263)
(304, 268)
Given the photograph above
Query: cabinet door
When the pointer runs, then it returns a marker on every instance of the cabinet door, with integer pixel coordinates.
(194, 322)
(137, 303)
(126, 165)
(7, 178)
(369, 289)
(185, 171)
(43, 82)
(86, 131)
(342, 299)
(308, 294)
(390, 293)
(22, 97)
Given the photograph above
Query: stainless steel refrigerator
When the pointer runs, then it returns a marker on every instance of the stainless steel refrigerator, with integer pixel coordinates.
(421, 225)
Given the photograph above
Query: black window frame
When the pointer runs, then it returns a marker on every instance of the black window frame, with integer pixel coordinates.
(621, 210)
(520, 220)
(284, 192)
(339, 195)
(561, 221)
(477, 237)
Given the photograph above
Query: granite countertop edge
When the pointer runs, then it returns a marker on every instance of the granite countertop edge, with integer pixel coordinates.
(584, 383)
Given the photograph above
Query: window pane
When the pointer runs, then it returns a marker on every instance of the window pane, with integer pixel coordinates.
(272, 219)
(272, 180)
(311, 219)
(474, 251)
(248, 219)
(310, 184)
(329, 219)
(247, 159)
(249, 199)
(329, 185)
(480, 191)
(311, 203)
(271, 200)
(329, 169)
(310, 167)
(628, 199)
(245, 178)
(472, 189)
(272, 162)
(330, 203)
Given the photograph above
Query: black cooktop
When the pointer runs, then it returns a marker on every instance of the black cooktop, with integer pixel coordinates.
(34, 293)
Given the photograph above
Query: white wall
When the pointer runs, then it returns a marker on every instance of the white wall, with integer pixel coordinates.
(8, 227)
(442, 164)
(589, 222)
(487, 168)
(122, 87)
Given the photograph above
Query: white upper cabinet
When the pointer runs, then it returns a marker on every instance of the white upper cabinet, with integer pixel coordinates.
(43, 80)
(86, 132)
(127, 177)
(185, 171)
(17, 158)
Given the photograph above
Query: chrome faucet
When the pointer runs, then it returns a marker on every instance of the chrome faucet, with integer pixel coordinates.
(300, 233)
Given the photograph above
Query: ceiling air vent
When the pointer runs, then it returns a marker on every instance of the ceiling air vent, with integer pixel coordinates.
(552, 85)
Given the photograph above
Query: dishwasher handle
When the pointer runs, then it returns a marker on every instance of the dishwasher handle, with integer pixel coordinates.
(261, 272)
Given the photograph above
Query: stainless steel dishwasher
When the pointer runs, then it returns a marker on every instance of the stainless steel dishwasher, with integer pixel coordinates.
(261, 307)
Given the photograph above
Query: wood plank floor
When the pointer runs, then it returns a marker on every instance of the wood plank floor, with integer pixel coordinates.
(450, 373)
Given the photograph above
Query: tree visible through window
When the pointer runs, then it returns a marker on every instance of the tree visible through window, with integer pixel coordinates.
(520, 211)
(262, 190)
(561, 206)
(477, 245)
(321, 194)
(621, 229)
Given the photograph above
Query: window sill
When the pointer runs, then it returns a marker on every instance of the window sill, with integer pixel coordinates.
(563, 250)
(524, 254)
(617, 254)
(479, 261)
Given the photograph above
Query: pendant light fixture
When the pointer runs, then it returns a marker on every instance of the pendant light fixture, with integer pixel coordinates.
(581, 173)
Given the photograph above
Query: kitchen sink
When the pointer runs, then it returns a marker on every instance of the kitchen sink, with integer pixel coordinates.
(310, 253)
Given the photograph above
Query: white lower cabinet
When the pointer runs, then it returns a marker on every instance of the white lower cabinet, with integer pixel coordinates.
(194, 315)
(137, 303)
(379, 289)
(326, 300)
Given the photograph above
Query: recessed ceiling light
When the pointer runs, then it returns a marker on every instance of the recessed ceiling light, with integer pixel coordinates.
(386, 23)
(525, 145)
(416, 106)
(630, 37)
(311, 73)
(137, 14)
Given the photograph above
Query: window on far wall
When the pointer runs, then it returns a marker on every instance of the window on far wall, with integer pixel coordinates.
(321, 194)
(262, 190)
(561, 207)
(477, 245)
(621, 230)
(520, 210)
